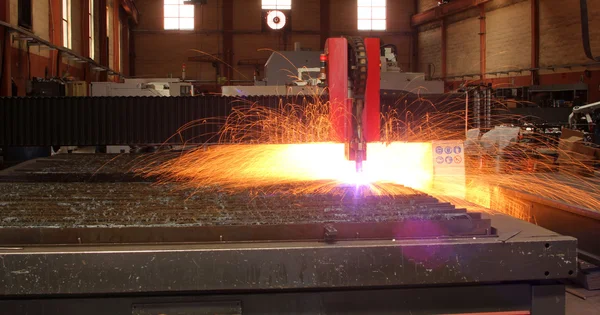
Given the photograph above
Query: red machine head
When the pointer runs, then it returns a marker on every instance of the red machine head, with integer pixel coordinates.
(353, 77)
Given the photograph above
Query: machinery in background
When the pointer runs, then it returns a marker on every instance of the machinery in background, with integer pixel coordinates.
(284, 69)
(282, 66)
(45, 87)
(143, 87)
(394, 80)
(56, 87)
(584, 113)
(76, 88)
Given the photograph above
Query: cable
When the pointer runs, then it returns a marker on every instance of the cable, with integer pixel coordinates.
(585, 31)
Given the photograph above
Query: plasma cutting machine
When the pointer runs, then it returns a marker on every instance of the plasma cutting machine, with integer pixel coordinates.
(79, 234)
(353, 81)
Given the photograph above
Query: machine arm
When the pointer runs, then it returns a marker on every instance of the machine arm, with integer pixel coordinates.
(583, 110)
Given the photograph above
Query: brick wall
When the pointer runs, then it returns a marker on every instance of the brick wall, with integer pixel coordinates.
(430, 52)
(424, 5)
(508, 43)
(560, 32)
(342, 16)
(110, 32)
(159, 52)
(508, 34)
(463, 47)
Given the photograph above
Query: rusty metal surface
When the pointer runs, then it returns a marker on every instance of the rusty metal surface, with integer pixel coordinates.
(59, 213)
(125, 204)
(63, 168)
(83, 198)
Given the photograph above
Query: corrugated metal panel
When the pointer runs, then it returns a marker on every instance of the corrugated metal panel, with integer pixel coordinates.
(90, 121)
(81, 121)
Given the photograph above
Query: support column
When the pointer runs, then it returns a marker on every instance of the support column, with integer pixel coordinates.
(535, 41)
(131, 51)
(5, 83)
(55, 35)
(444, 49)
(85, 40)
(325, 9)
(125, 43)
(482, 42)
(116, 38)
(414, 60)
(102, 34)
(228, 39)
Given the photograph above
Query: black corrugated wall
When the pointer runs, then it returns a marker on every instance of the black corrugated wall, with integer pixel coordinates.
(90, 121)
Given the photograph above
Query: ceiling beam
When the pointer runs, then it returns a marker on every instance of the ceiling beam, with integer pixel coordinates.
(442, 11)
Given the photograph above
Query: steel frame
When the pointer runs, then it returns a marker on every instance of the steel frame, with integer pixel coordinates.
(500, 299)
(522, 252)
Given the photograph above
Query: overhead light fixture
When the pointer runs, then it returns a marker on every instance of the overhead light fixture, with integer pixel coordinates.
(276, 20)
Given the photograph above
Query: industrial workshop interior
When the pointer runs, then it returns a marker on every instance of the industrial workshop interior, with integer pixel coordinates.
(228, 157)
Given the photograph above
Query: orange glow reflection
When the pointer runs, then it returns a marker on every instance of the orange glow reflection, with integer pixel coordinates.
(248, 166)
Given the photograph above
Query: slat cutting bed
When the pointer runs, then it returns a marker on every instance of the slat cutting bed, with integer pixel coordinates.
(108, 241)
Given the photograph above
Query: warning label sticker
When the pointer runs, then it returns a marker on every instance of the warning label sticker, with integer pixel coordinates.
(448, 153)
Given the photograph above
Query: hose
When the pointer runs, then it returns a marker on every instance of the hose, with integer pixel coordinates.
(585, 31)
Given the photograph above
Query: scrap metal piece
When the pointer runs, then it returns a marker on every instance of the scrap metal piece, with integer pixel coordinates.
(330, 233)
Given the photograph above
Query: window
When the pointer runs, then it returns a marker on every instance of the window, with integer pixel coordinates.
(91, 28)
(25, 14)
(276, 4)
(371, 15)
(178, 16)
(66, 23)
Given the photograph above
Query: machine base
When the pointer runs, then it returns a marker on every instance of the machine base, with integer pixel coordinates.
(513, 299)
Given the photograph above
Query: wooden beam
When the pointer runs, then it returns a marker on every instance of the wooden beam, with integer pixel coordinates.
(444, 10)
(482, 41)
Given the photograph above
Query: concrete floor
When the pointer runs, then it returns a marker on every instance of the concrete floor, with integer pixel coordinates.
(579, 306)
